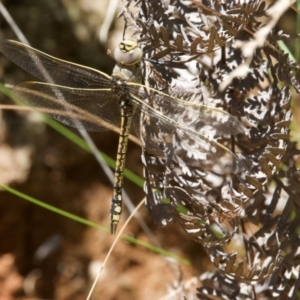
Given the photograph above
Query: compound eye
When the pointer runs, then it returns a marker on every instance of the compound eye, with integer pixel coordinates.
(128, 53)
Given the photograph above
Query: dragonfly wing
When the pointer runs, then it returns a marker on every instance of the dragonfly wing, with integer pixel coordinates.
(208, 121)
(163, 136)
(200, 151)
(90, 109)
(51, 69)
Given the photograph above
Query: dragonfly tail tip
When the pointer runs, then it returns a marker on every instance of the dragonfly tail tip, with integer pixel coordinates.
(113, 228)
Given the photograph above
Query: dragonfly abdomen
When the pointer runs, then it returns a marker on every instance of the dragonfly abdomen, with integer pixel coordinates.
(116, 207)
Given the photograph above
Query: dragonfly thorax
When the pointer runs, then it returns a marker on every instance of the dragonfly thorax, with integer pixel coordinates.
(124, 103)
(120, 90)
(128, 73)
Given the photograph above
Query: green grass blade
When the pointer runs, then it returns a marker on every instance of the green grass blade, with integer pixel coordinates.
(92, 224)
(52, 208)
(286, 49)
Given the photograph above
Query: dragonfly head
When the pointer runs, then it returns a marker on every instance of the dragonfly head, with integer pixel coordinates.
(128, 53)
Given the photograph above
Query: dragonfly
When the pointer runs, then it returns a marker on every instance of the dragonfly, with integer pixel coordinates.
(85, 98)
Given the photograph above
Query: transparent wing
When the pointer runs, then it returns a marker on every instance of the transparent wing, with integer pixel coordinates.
(51, 69)
(90, 109)
(205, 120)
(175, 139)
(184, 129)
